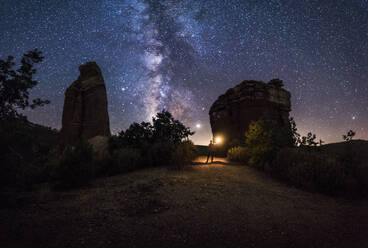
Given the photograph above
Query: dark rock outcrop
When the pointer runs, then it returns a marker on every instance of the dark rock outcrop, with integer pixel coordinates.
(232, 112)
(85, 112)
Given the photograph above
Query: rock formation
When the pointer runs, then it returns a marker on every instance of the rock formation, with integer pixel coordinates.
(232, 112)
(85, 107)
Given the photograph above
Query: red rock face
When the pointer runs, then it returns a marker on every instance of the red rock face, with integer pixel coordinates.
(232, 112)
(85, 112)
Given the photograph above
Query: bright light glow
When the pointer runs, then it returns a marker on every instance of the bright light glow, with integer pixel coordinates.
(198, 125)
(218, 140)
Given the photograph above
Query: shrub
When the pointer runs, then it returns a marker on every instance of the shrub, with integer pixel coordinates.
(163, 130)
(238, 154)
(184, 154)
(263, 141)
(157, 144)
(160, 154)
(349, 136)
(311, 169)
(136, 136)
(124, 160)
(258, 140)
(76, 167)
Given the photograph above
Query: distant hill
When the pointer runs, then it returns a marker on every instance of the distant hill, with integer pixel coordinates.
(358, 147)
(202, 150)
(19, 136)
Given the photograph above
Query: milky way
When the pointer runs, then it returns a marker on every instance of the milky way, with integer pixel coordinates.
(162, 30)
(181, 55)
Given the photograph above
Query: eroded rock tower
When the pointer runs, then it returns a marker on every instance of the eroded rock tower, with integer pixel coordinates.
(232, 112)
(85, 112)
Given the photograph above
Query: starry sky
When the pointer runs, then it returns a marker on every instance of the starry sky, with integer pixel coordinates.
(181, 55)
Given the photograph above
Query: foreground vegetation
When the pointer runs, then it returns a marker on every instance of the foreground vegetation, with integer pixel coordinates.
(30, 153)
(299, 161)
(163, 143)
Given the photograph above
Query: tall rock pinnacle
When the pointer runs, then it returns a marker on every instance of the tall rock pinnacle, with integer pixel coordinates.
(85, 112)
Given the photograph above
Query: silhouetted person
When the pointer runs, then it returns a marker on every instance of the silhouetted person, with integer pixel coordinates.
(211, 151)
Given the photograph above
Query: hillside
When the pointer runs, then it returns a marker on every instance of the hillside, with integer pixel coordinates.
(358, 147)
(24, 150)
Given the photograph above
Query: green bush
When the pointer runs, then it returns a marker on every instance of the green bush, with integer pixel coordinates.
(264, 139)
(238, 154)
(259, 143)
(311, 169)
(76, 167)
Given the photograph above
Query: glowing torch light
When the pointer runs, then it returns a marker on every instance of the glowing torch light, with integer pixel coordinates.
(218, 140)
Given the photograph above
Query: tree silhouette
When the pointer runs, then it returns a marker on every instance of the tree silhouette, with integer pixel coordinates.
(167, 129)
(349, 136)
(137, 135)
(309, 140)
(294, 131)
(16, 83)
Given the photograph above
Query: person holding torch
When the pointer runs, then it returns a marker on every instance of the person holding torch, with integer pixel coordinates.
(211, 151)
(211, 148)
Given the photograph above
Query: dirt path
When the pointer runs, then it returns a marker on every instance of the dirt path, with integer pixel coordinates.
(217, 205)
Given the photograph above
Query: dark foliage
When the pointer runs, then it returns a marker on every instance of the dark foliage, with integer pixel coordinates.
(159, 153)
(349, 136)
(296, 140)
(309, 140)
(301, 163)
(16, 83)
(184, 154)
(137, 135)
(167, 129)
(76, 167)
(123, 160)
(221, 150)
(29, 152)
(24, 147)
(25, 151)
(165, 142)
(263, 142)
(238, 154)
(313, 169)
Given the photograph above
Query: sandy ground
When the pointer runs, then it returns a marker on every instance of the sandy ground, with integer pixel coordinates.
(216, 205)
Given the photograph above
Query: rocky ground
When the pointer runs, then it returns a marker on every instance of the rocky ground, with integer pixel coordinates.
(217, 205)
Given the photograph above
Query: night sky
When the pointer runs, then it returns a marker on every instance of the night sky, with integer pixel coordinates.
(181, 55)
